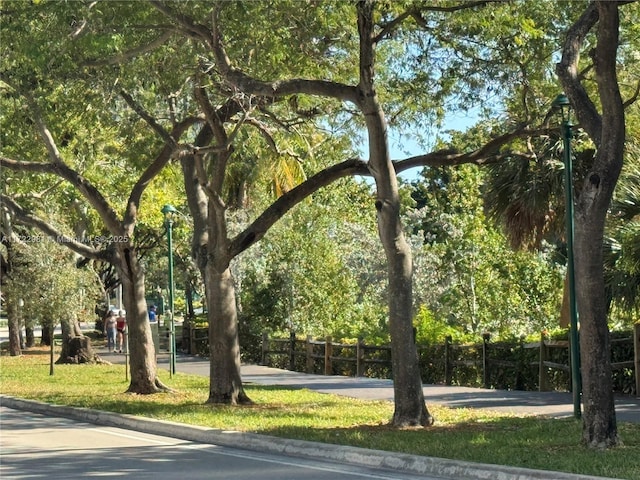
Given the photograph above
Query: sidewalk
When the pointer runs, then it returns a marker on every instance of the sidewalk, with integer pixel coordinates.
(553, 404)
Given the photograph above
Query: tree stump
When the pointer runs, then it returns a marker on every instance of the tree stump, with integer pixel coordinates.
(77, 350)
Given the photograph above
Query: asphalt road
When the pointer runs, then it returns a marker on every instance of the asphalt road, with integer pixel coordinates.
(35, 446)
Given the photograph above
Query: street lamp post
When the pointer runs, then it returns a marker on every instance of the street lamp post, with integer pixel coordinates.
(168, 211)
(562, 103)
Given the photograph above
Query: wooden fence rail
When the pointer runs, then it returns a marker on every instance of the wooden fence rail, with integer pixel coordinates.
(322, 354)
(546, 358)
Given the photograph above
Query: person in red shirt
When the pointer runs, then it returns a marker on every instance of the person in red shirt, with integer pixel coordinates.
(121, 326)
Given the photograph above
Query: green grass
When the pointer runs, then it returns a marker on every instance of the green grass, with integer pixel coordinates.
(463, 434)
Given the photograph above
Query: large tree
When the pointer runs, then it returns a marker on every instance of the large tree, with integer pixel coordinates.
(409, 400)
(62, 129)
(116, 246)
(594, 90)
(362, 93)
(308, 73)
(602, 115)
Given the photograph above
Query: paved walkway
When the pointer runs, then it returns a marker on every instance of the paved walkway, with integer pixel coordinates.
(554, 404)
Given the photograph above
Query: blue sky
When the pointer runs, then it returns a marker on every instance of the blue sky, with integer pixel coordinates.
(403, 146)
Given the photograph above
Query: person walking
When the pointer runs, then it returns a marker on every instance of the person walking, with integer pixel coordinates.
(110, 331)
(153, 318)
(121, 326)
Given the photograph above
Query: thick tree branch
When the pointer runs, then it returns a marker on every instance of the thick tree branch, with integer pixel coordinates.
(613, 118)
(567, 71)
(23, 217)
(358, 167)
(165, 155)
(60, 168)
(389, 27)
(274, 89)
(416, 14)
(93, 196)
(26, 166)
(43, 130)
(151, 121)
(630, 101)
(606, 58)
(186, 24)
(254, 232)
(488, 153)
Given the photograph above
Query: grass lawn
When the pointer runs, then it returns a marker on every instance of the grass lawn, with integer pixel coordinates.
(463, 434)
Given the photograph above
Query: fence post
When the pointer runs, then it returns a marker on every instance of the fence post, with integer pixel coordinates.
(292, 351)
(265, 347)
(360, 357)
(193, 349)
(636, 350)
(193, 340)
(448, 373)
(543, 372)
(485, 359)
(328, 351)
(309, 354)
(520, 365)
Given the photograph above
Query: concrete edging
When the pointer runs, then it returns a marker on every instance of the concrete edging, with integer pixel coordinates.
(412, 464)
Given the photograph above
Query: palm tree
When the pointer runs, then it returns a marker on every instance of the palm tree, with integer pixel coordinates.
(622, 246)
(526, 196)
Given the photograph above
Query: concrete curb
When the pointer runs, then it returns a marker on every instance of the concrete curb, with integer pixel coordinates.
(411, 464)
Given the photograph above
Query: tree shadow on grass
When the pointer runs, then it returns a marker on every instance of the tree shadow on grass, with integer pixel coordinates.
(528, 442)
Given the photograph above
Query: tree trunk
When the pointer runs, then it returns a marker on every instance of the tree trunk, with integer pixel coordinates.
(607, 130)
(209, 249)
(224, 347)
(30, 337)
(47, 334)
(142, 353)
(599, 427)
(76, 348)
(188, 293)
(13, 317)
(410, 408)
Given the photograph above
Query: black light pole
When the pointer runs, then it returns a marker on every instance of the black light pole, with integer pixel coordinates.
(562, 103)
(168, 211)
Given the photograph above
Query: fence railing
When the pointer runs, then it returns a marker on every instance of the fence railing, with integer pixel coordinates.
(550, 358)
(542, 365)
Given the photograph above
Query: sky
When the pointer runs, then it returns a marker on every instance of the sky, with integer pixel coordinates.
(403, 146)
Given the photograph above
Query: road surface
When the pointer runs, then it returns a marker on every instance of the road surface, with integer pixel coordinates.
(35, 446)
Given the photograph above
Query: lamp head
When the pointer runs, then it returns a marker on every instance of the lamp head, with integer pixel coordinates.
(168, 211)
(562, 103)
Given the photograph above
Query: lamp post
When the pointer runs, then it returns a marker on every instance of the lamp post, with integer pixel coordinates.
(561, 102)
(168, 211)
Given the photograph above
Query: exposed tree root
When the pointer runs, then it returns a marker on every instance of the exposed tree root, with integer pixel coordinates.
(607, 444)
(164, 388)
(233, 399)
(156, 387)
(398, 422)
